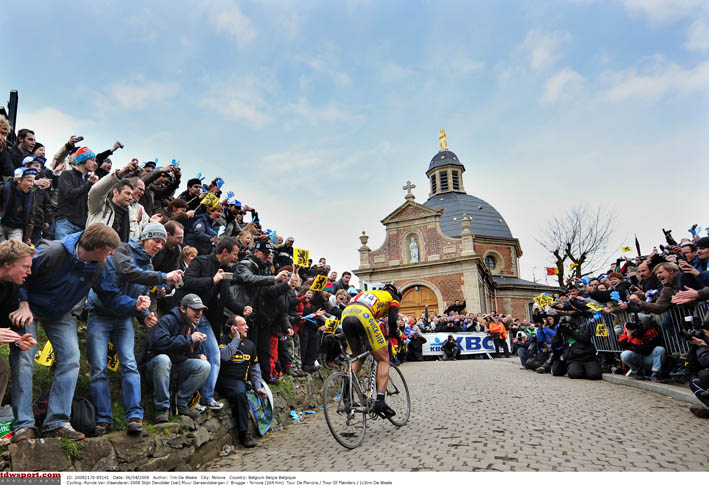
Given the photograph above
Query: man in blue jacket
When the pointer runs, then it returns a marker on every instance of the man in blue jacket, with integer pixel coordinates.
(175, 343)
(128, 272)
(63, 272)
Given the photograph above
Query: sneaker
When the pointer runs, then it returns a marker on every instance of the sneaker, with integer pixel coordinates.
(134, 426)
(200, 409)
(185, 411)
(655, 377)
(311, 368)
(383, 410)
(162, 416)
(23, 434)
(101, 428)
(65, 431)
(214, 405)
(246, 439)
(291, 371)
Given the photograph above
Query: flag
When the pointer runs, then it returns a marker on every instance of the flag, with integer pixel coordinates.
(552, 271)
(637, 245)
(572, 266)
(626, 249)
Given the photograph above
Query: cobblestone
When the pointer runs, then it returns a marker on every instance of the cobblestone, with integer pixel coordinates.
(476, 415)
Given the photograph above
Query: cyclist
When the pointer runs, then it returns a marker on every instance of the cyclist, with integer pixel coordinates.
(359, 323)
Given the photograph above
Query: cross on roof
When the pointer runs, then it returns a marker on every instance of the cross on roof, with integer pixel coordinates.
(408, 188)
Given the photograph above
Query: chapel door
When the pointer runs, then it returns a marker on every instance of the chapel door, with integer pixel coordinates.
(415, 299)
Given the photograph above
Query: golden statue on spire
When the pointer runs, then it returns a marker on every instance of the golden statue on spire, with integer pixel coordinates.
(442, 139)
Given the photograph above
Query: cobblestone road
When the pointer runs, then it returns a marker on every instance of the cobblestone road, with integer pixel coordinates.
(474, 415)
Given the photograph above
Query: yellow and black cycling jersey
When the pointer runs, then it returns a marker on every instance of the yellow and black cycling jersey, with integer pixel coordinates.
(378, 302)
(363, 312)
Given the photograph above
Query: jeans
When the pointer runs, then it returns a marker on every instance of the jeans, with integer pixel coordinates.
(638, 361)
(191, 374)
(65, 343)
(7, 233)
(22, 370)
(234, 391)
(64, 228)
(101, 329)
(522, 352)
(210, 348)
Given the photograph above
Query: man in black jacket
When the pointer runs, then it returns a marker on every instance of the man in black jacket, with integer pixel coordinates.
(17, 205)
(74, 185)
(250, 278)
(450, 349)
(206, 277)
(579, 353)
(176, 342)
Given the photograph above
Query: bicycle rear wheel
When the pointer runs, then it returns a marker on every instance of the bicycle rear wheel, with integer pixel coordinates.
(397, 397)
(345, 417)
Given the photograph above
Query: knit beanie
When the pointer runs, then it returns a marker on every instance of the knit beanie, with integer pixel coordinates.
(153, 230)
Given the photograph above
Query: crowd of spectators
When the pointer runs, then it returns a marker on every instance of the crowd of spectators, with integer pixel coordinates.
(214, 296)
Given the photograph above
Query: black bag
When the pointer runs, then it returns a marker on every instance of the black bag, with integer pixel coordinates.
(83, 416)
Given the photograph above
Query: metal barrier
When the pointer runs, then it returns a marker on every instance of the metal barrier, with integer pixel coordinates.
(606, 330)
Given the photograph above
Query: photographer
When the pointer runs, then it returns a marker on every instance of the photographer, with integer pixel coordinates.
(579, 352)
(450, 349)
(698, 365)
(641, 341)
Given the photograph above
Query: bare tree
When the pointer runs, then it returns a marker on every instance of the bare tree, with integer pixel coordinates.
(581, 237)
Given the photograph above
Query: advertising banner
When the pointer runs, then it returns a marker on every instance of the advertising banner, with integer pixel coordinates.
(468, 342)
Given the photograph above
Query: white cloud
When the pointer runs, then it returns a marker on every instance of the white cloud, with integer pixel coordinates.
(227, 18)
(139, 94)
(698, 35)
(240, 101)
(52, 127)
(393, 72)
(661, 78)
(544, 48)
(330, 113)
(466, 65)
(663, 10)
(322, 66)
(559, 84)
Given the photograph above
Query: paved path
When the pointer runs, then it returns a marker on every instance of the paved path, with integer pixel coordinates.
(473, 415)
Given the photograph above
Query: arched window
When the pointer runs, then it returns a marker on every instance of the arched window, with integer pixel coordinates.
(490, 262)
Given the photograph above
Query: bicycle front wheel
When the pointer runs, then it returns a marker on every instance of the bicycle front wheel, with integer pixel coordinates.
(345, 417)
(397, 397)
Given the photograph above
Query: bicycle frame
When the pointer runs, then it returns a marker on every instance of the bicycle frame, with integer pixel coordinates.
(366, 398)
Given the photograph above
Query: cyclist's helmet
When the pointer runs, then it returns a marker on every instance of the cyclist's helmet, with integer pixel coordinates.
(393, 290)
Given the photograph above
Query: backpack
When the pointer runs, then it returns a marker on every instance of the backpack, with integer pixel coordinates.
(83, 416)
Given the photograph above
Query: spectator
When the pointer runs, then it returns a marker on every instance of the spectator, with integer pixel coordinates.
(7, 169)
(15, 266)
(344, 282)
(110, 199)
(415, 347)
(160, 184)
(450, 349)
(193, 195)
(74, 186)
(669, 276)
(641, 341)
(579, 352)
(136, 212)
(188, 255)
(129, 272)
(17, 205)
(76, 264)
(25, 144)
(498, 332)
(175, 343)
(456, 307)
(239, 360)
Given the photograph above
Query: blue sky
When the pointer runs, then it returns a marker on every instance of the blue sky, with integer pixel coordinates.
(318, 112)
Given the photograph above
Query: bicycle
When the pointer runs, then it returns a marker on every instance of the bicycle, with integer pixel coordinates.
(347, 402)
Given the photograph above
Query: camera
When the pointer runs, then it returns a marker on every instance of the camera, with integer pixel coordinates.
(668, 237)
(638, 320)
(693, 328)
(520, 335)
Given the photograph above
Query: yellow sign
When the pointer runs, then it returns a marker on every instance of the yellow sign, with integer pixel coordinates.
(601, 330)
(594, 306)
(210, 200)
(626, 249)
(331, 325)
(46, 356)
(195, 400)
(543, 300)
(572, 266)
(319, 283)
(112, 360)
(301, 257)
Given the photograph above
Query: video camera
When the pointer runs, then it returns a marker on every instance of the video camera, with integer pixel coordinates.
(639, 320)
(566, 323)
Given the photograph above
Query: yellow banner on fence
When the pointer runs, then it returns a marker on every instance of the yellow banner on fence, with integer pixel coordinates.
(594, 306)
(601, 330)
(45, 357)
(319, 283)
(301, 257)
(331, 325)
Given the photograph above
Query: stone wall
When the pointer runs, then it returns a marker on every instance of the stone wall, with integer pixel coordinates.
(180, 445)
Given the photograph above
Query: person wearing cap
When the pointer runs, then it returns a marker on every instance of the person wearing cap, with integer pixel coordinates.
(695, 271)
(63, 272)
(72, 201)
(251, 275)
(175, 345)
(42, 214)
(129, 272)
(109, 200)
(17, 205)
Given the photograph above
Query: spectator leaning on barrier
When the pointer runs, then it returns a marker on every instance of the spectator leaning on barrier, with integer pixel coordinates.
(175, 343)
(76, 264)
(239, 362)
(669, 276)
(15, 266)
